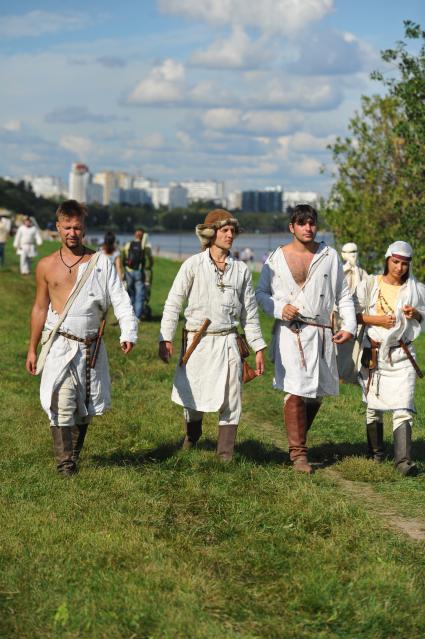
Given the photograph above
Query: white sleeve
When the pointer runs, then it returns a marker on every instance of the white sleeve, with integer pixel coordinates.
(272, 305)
(121, 304)
(177, 296)
(250, 321)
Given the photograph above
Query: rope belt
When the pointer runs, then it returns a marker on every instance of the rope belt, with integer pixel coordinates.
(87, 341)
(226, 331)
(296, 329)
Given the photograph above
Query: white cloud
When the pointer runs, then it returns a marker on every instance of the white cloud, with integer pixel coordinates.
(262, 168)
(78, 145)
(333, 53)
(185, 139)
(287, 92)
(307, 167)
(235, 51)
(153, 141)
(255, 122)
(36, 23)
(163, 84)
(274, 16)
(13, 125)
(302, 141)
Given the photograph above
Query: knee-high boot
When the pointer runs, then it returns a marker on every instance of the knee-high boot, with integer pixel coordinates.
(226, 441)
(295, 416)
(375, 441)
(78, 436)
(402, 445)
(312, 408)
(193, 433)
(62, 446)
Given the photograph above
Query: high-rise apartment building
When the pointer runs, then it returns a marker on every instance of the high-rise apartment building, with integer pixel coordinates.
(46, 185)
(79, 178)
(268, 200)
(203, 190)
(292, 198)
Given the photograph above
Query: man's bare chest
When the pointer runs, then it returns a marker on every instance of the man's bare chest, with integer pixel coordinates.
(299, 266)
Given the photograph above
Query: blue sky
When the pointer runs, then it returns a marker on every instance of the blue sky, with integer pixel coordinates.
(246, 91)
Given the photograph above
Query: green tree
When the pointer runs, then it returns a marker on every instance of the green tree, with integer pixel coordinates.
(378, 195)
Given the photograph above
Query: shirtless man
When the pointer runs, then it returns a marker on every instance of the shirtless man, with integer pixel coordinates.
(72, 389)
(299, 285)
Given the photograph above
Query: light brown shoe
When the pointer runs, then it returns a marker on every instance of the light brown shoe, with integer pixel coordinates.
(301, 465)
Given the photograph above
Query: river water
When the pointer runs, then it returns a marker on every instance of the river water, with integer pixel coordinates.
(181, 245)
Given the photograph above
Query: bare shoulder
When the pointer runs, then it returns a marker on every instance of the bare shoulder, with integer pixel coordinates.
(46, 263)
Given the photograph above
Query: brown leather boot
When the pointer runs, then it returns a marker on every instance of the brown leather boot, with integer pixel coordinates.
(402, 455)
(226, 441)
(375, 441)
(62, 447)
(78, 436)
(295, 416)
(193, 433)
(312, 408)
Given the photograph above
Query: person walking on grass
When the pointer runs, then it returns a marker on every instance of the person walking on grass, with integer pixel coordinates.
(299, 286)
(216, 288)
(74, 290)
(393, 310)
(26, 240)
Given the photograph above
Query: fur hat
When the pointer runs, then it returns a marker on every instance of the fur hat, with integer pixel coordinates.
(215, 220)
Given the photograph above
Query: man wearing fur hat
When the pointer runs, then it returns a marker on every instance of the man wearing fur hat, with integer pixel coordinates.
(217, 288)
(299, 286)
(348, 353)
(393, 308)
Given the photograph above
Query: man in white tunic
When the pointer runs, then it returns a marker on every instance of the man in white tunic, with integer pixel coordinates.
(74, 387)
(393, 308)
(26, 240)
(348, 353)
(299, 286)
(218, 288)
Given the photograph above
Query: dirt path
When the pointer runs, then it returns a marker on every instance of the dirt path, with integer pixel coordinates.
(379, 506)
(376, 504)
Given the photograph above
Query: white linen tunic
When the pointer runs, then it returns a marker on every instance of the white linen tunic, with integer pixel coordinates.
(325, 286)
(102, 288)
(201, 384)
(392, 385)
(25, 242)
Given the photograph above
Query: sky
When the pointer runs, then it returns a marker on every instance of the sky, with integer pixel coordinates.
(250, 92)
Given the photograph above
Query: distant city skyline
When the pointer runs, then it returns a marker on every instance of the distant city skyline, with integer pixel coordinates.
(240, 92)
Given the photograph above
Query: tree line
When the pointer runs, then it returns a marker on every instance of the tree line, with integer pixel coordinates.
(378, 195)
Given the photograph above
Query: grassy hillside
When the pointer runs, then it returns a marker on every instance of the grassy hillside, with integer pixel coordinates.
(149, 541)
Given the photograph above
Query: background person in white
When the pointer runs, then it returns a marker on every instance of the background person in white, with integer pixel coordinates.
(299, 286)
(217, 287)
(26, 240)
(349, 352)
(393, 306)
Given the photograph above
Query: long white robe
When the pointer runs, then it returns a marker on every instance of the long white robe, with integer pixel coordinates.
(25, 242)
(102, 288)
(324, 288)
(392, 385)
(201, 384)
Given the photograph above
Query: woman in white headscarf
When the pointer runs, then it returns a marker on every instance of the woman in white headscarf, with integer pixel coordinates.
(393, 312)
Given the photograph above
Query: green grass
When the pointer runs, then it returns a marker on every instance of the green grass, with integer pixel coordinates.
(148, 541)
